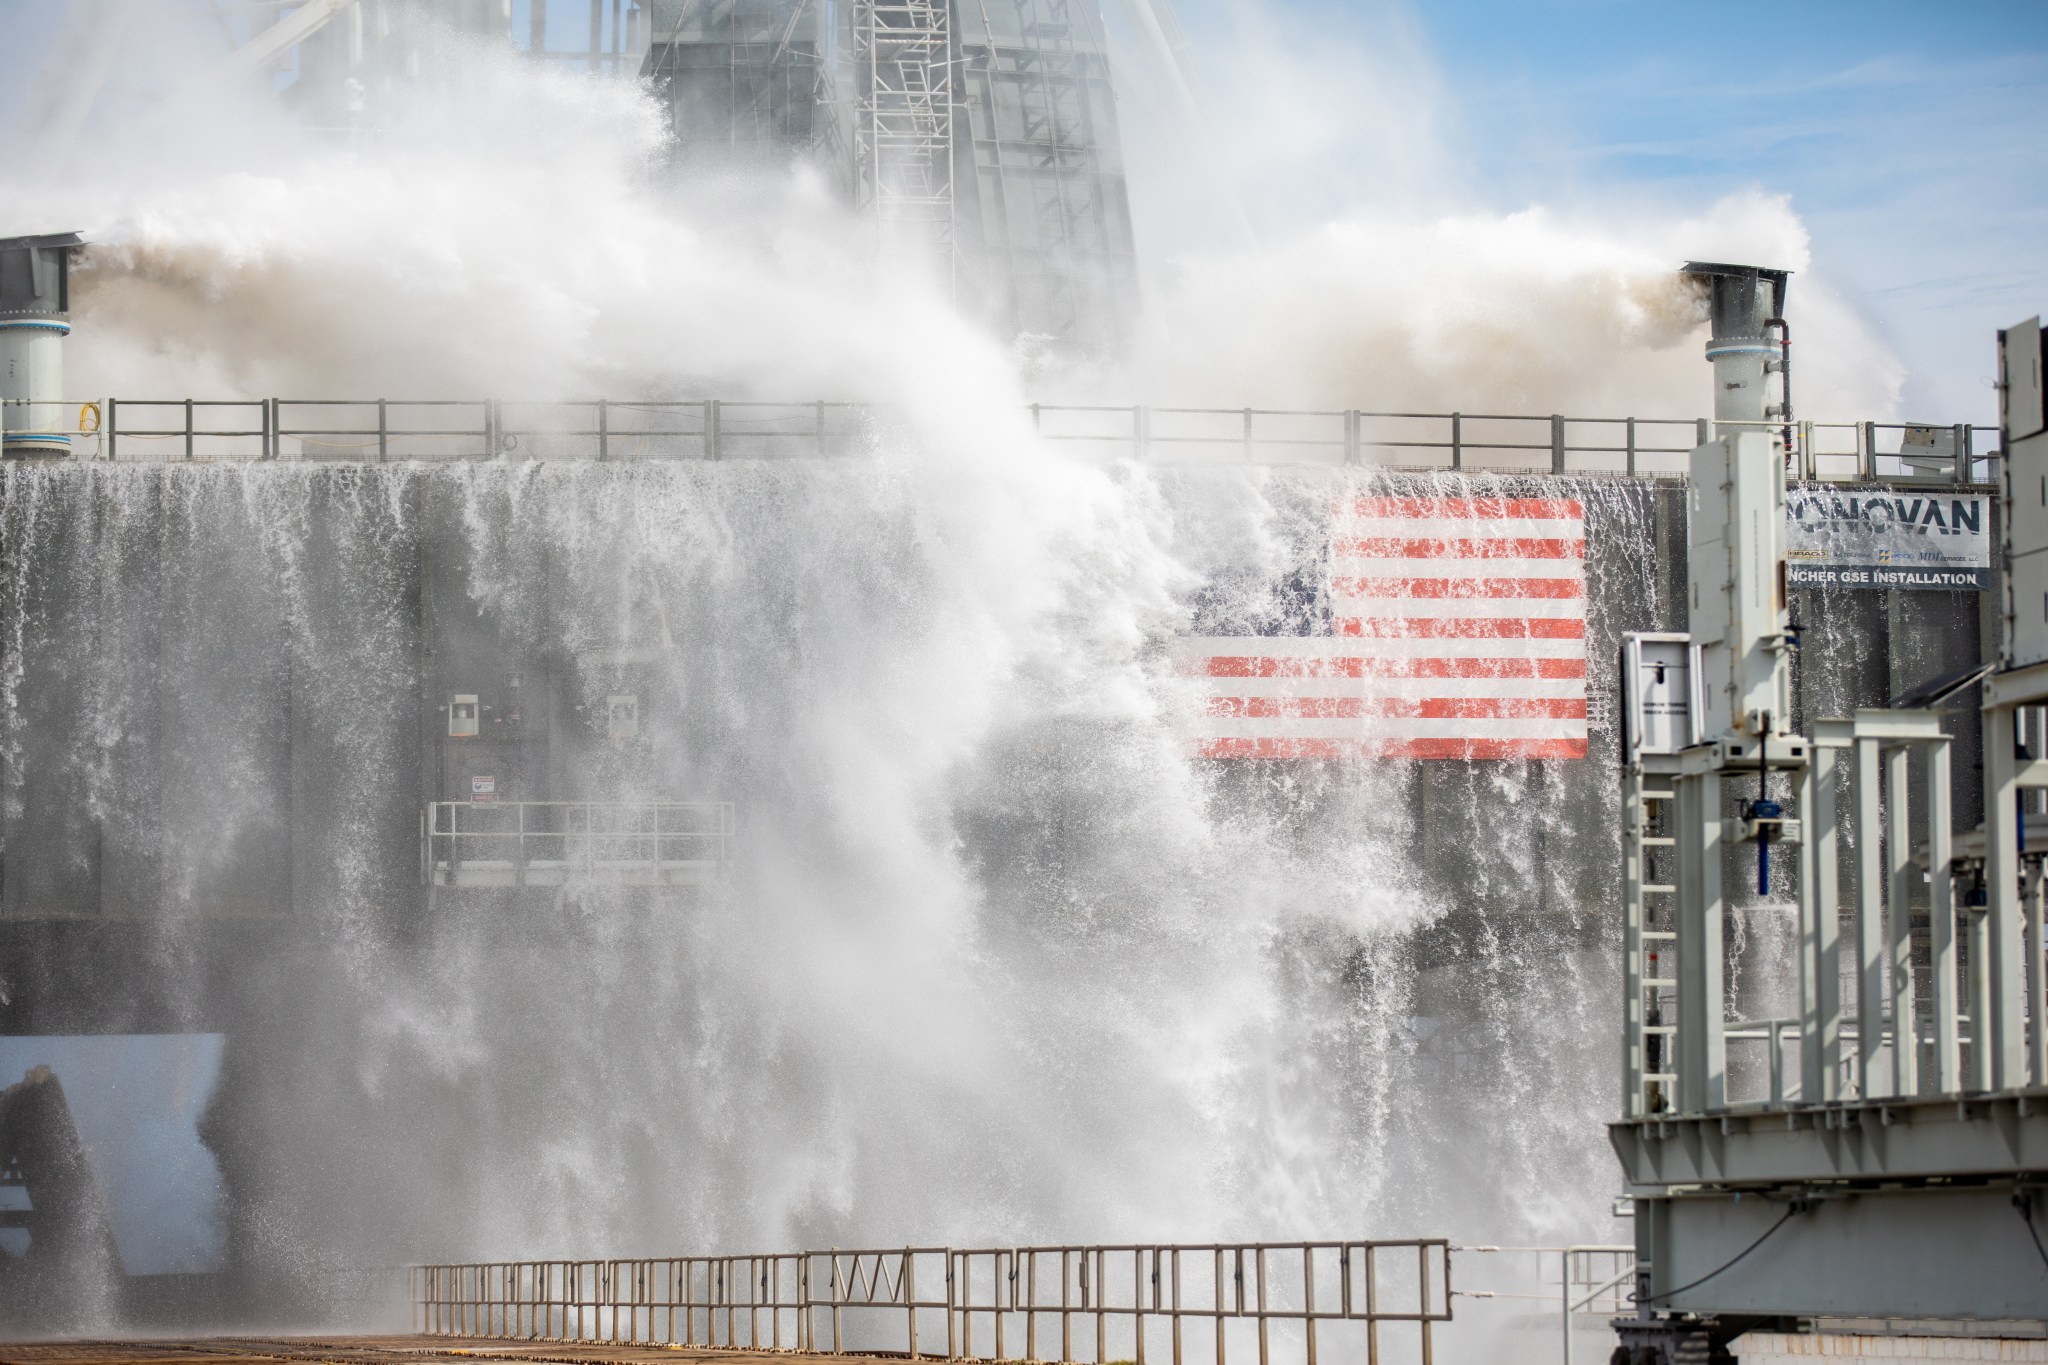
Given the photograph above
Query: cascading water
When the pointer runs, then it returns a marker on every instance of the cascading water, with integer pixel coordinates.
(995, 962)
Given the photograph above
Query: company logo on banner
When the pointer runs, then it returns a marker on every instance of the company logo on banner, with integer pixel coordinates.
(1882, 538)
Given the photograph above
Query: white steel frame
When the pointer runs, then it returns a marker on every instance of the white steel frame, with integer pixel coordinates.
(903, 125)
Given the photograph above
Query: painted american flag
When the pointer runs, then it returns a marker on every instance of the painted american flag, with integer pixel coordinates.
(1445, 628)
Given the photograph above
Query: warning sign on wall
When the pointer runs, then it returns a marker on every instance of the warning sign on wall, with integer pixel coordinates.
(483, 789)
(1884, 538)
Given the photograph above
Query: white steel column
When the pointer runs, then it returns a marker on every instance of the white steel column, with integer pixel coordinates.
(1820, 1049)
(1901, 873)
(2000, 1035)
(1941, 921)
(1702, 1042)
(1870, 954)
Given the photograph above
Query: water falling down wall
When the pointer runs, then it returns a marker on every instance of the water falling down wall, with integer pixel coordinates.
(996, 958)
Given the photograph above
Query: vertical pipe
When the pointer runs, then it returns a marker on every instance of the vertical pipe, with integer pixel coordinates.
(1422, 1306)
(1218, 1301)
(1700, 431)
(1308, 1299)
(113, 427)
(1351, 442)
(711, 445)
(1631, 445)
(1066, 1317)
(1556, 444)
(1372, 1307)
(908, 1279)
(1866, 452)
(1901, 872)
(268, 418)
(1564, 1281)
(188, 428)
(1259, 1270)
(2036, 985)
(1031, 1309)
(1137, 1303)
(1775, 1041)
(1870, 968)
(966, 1268)
(604, 443)
(1247, 435)
(1941, 921)
(1175, 1262)
(596, 35)
(1457, 440)
(1097, 1288)
(382, 428)
(1820, 1030)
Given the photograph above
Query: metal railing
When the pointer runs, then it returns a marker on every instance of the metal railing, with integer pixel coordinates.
(1094, 1304)
(552, 843)
(128, 430)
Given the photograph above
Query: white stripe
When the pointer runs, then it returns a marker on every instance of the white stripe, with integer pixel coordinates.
(1571, 689)
(1385, 727)
(1382, 566)
(1354, 605)
(1356, 647)
(1458, 528)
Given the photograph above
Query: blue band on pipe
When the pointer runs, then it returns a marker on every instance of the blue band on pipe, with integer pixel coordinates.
(35, 322)
(1715, 351)
(16, 438)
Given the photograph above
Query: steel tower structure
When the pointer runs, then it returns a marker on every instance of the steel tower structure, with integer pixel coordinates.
(980, 135)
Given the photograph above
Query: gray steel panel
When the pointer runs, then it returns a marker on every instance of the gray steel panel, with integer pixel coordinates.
(1938, 1254)
(1923, 1139)
(2022, 411)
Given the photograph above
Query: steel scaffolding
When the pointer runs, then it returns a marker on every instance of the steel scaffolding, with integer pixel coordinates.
(903, 126)
(1051, 208)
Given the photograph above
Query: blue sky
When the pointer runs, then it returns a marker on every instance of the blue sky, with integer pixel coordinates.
(1911, 137)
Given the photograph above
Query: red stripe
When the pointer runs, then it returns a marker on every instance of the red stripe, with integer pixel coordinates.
(1485, 547)
(1459, 587)
(1460, 628)
(1294, 666)
(1411, 708)
(1465, 749)
(1543, 508)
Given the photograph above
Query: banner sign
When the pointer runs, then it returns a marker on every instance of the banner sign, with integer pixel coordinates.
(1884, 538)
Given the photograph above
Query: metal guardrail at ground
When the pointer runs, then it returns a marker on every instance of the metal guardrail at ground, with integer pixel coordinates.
(556, 843)
(152, 430)
(1593, 1281)
(1281, 1303)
